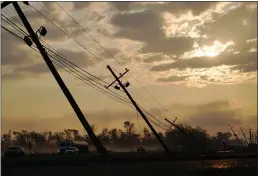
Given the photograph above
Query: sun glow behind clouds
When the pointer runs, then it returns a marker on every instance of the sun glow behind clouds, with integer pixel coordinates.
(209, 51)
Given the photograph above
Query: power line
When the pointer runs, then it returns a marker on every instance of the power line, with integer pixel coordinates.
(92, 38)
(65, 29)
(87, 32)
(77, 77)
(13, 24)
(23, 32)
(107, 52)
(103, 90)
(67, 33)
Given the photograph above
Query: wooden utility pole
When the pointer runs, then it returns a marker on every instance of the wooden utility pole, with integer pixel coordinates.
(172, 124)
(182, 130)
(250, 135)
(59, 80)
(244, 136)
(236, 135)
(137, 107)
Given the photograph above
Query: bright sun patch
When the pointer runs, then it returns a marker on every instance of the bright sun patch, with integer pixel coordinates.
(209, 51)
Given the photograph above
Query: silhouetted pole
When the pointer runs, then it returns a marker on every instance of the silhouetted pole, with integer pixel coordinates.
(138, 109)
(177, 127)
(60, 82)
(244, 136)
(183, 131)
(236, 135)
(173, 123)
(5, 3)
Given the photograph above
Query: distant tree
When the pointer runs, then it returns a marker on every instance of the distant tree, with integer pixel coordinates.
(223, 136)
(129, 128)
(104, 136)
(126, 137)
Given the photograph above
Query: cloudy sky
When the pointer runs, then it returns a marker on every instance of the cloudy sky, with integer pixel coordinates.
(197, 59)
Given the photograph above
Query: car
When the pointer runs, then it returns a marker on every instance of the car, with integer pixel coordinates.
(72, 150)
(82, 146)
(140, 149)
(15, 151)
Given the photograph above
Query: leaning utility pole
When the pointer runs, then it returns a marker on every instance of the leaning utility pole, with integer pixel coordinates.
(244, 136)
(136, 106)
(236, 135)
(172, 124)
(193, 138)
(58, 78)
(250, 135)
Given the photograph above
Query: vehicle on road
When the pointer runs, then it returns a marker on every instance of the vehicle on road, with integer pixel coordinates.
(15, 151)
(72, 150)
(140, 149)
(82, 146)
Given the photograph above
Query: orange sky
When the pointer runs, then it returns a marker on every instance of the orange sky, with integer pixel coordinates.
(198, 60)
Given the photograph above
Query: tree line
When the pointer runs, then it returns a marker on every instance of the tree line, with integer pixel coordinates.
(128, 137)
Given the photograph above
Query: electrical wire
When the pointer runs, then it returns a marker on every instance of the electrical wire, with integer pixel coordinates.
(145, 110)
(67, 33)
(87, 32)
(105, 90)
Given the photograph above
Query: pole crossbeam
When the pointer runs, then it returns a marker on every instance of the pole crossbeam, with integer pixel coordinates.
(118, 78)
(139, 110)
(60, 82)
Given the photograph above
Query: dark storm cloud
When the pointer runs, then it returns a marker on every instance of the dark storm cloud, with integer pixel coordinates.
(219, 113)
(178, 8)
(172, 79)
(174, 45)
(55, 34)
(81, 5)
(57, 28)
(36, 68)
(215, 118)
(50, 6)
(146, 26)
(225, 58)
(12, 51)
(79, 58)
(112, 51)
(154, 58)
(122, 6)
(219, 104)
(173, 7)
(12, 76)
(238, 25)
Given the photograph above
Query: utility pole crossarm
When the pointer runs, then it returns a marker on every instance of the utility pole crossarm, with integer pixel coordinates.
(59, 80)
(121, 75)
(140, 111)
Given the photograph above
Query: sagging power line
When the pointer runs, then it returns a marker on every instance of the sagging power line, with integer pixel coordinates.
(33, 36)
(126, 101)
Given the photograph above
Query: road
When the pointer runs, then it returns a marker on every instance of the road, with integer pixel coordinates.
(243, 167)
